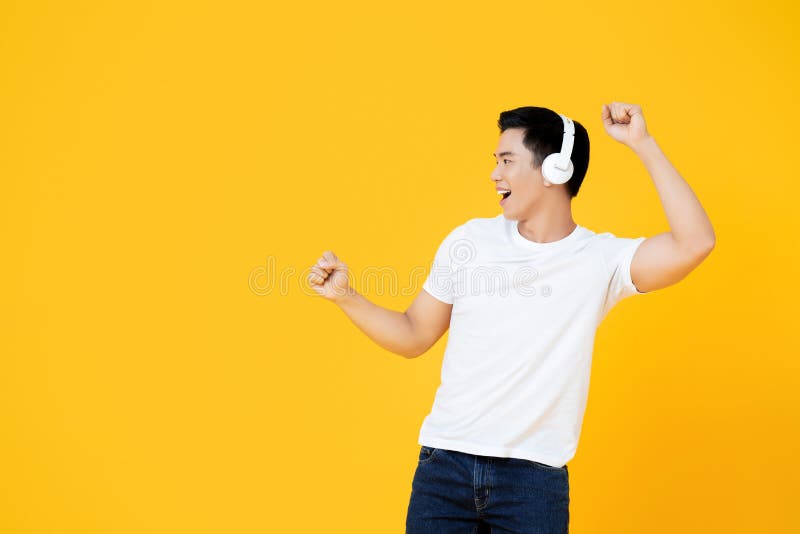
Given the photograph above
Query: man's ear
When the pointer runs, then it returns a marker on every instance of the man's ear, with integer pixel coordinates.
(544, 180)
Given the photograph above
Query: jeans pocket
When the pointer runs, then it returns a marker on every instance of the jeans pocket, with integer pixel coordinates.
(426, 454)
(546, 467)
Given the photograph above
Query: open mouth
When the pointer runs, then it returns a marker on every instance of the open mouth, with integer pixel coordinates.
(505, 193)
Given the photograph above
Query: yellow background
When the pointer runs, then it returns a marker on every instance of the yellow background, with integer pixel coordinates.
(156, 156)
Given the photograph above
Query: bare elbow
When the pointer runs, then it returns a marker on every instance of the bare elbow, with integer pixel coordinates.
(699, 251)
(415, 352)
(407, 354)
(706, 249)
(711, 242)
(409, 351)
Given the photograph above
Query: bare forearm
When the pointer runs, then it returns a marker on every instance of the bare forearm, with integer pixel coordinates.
(689, 224)
(390, 329)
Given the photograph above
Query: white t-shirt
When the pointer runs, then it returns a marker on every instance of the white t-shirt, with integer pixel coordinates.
(515, 374)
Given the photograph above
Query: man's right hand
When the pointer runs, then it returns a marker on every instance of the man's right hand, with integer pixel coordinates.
(408, 333)
(329, 277)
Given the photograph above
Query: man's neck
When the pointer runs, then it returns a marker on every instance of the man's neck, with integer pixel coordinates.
(547, 225)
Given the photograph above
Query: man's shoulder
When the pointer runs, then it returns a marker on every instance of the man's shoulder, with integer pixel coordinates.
(484, 223)
(476, 226)
(609, 239)
(609, 244)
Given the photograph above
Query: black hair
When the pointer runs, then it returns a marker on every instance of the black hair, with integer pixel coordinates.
(543, 133)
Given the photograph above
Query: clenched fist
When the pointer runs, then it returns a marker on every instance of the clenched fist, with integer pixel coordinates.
(625, 123)
(329, 277)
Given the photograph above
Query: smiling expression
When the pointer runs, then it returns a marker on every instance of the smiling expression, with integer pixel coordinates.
(514, 172)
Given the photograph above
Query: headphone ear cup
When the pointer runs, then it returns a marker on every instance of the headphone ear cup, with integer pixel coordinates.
(553, 174)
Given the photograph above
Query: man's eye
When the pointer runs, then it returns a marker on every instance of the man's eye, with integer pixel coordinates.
(506, 160)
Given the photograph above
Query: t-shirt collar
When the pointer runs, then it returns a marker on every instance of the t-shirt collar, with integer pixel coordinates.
(527, 243)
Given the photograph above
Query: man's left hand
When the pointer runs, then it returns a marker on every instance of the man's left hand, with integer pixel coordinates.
(625, 123)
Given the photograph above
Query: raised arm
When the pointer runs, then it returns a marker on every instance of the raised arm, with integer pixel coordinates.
(409, 334)
(664, 258)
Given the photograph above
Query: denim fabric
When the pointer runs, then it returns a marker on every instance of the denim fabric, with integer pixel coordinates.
(458, 493)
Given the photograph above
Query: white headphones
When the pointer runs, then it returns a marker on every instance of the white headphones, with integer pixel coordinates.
(557, 168)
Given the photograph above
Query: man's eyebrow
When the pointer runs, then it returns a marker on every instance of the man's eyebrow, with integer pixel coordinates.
(501, 154)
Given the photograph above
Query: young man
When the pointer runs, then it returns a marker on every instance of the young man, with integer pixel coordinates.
(522, 294)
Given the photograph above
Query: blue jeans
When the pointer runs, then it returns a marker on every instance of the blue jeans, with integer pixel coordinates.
(458, 493)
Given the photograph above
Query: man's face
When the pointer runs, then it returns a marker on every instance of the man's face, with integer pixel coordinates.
(514, 171)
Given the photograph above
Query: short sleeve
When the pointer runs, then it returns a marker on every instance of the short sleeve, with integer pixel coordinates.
(439, 282)
(619, 253)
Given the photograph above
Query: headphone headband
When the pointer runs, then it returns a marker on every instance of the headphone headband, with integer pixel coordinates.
(567, 143)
